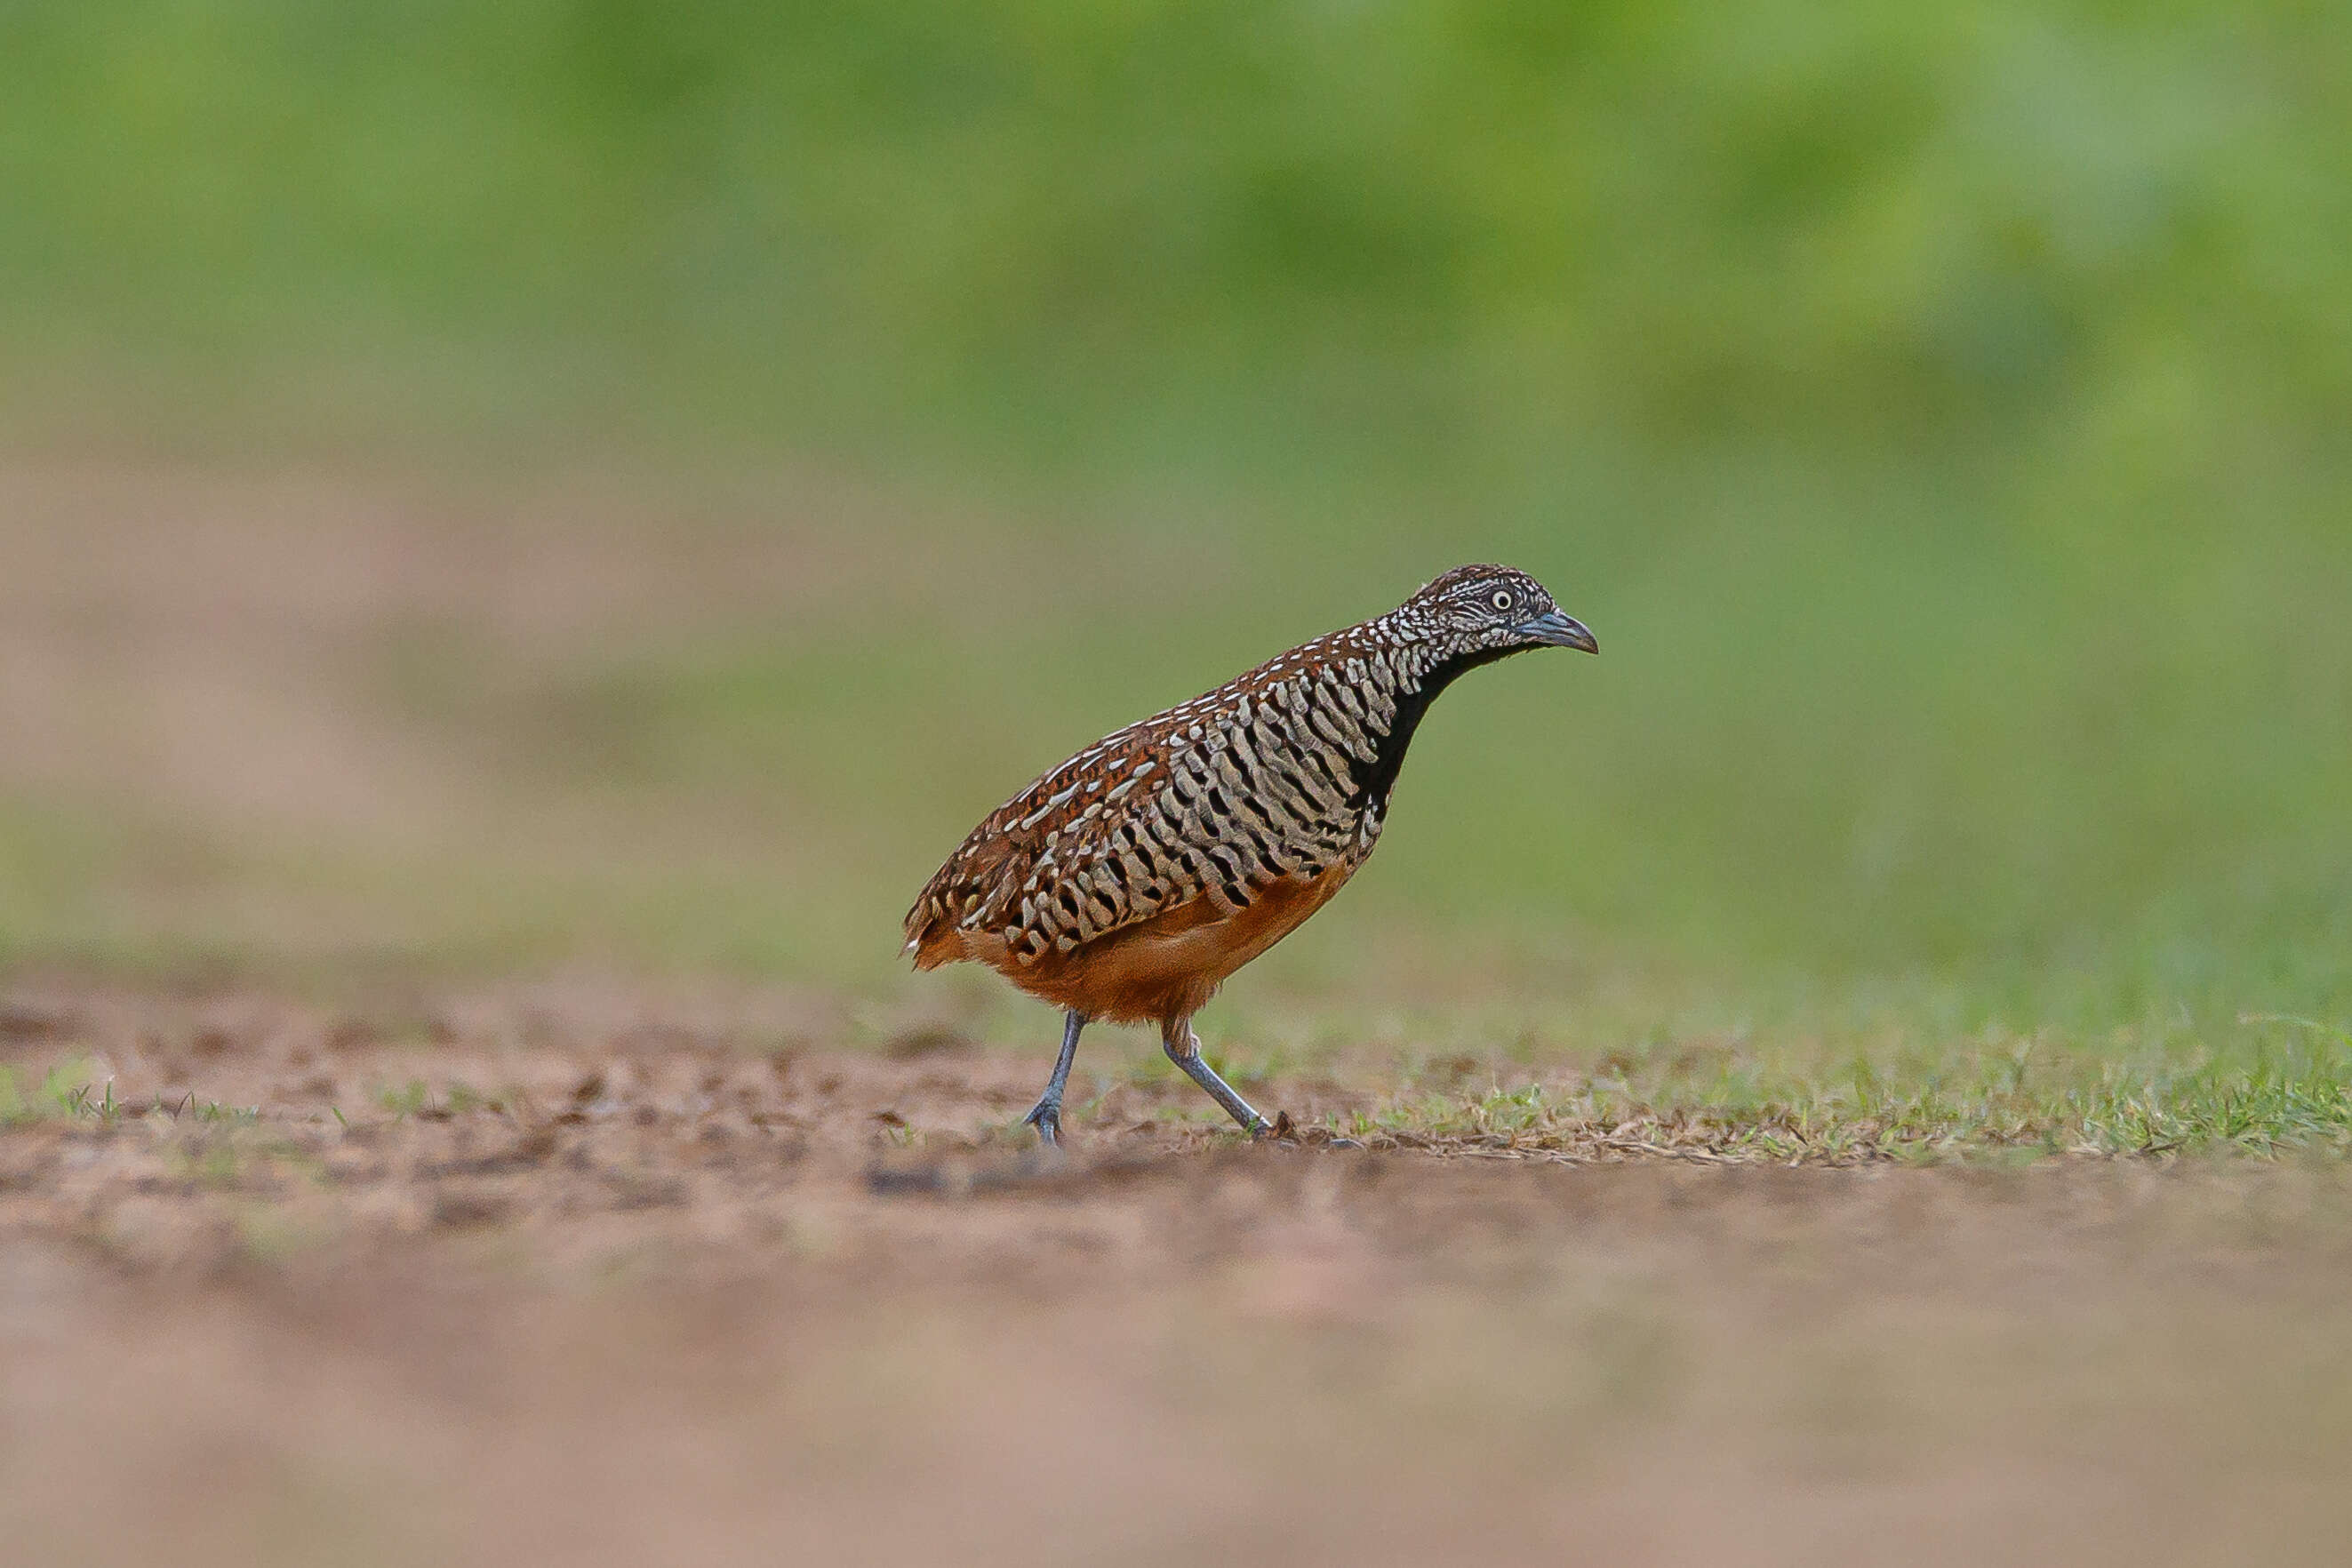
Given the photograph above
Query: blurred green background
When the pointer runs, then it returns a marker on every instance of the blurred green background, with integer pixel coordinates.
(605, 481)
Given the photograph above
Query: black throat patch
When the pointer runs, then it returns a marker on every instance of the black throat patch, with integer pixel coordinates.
(1373, 780)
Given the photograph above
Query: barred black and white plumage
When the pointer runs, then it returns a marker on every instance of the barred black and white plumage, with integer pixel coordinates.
(1129, 881)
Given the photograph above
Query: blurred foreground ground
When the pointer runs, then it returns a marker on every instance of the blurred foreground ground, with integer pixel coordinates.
(571, 1274)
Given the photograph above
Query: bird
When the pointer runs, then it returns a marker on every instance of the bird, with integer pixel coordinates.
(1128, 883)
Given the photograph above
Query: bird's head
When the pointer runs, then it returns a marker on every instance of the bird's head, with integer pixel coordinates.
(1482, 611)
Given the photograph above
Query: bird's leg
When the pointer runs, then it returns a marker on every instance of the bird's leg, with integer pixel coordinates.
(1046, 1115)
(1183, 1049)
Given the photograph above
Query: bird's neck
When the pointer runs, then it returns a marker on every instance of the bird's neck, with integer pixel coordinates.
(1422, 669)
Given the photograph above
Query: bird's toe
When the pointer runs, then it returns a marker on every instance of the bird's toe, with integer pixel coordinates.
(1282, 1129)
(1047, 1120)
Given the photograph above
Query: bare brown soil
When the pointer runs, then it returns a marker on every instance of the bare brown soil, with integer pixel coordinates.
(581, 1275)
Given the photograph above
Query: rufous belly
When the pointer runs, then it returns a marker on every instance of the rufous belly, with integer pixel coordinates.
(1167, 966)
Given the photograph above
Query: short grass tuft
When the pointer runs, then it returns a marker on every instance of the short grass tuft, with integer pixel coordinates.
(1996, 1104)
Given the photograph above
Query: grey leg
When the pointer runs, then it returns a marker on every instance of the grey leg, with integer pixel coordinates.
(1183, 1049)
(1046, 1116)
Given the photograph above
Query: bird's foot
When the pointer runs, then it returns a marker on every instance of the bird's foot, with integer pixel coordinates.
(1282, 1129)
(1046, 1118)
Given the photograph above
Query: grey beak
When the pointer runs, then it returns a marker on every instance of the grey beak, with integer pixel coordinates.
(1556, 630)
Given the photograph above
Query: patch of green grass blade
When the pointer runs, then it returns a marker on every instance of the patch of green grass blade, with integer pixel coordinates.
(65, 1091)
(71, 1091)
(1984, 1107)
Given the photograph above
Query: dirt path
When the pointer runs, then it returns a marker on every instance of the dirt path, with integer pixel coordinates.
(570, 1276)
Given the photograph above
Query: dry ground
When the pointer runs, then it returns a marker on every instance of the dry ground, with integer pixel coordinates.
(576, 1274)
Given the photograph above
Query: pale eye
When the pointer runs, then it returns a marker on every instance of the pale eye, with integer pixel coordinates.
(1502, 599)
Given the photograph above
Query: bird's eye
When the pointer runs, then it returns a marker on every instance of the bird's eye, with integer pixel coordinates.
(1502, 598)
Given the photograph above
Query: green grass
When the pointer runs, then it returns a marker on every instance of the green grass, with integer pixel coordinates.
(1929, 1103)
(64, 1091)
(73, 1092)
